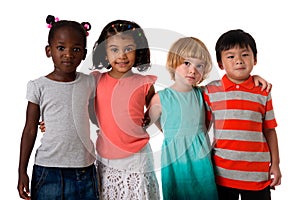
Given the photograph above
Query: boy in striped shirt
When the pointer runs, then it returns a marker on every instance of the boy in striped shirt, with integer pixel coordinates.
(245, 151)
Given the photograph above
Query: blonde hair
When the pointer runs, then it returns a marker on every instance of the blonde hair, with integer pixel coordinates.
(188, 47)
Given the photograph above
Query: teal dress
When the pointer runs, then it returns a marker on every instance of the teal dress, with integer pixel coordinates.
(187, 171)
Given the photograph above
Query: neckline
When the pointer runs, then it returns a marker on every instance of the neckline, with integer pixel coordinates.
(62, 82)
(181, 92)
(128, 74)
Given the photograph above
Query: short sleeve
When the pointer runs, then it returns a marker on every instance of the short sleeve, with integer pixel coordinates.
(33, 95)
(269, 119)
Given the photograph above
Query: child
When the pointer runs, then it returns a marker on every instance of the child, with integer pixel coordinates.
(246, 150)
(64, 162)
(187, 171)
(125, 163)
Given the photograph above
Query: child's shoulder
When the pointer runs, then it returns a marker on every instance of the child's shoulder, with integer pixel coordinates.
(95, 73)
(213, 86)
(140, 78)
(82, 76)
(37, 81)
(145, 77)
(214, 83)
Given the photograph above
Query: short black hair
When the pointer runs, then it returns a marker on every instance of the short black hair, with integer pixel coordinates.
(232, 38)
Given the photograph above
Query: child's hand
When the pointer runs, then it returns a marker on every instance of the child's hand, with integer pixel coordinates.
(146, 121)
(259, 81)
(275, 176)
(23, 186)
(42, 126)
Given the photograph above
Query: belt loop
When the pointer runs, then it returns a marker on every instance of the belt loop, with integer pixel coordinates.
(62, 184)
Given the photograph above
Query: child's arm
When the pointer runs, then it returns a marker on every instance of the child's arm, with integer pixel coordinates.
(272, 141)
(259, 81)
(146, 120)
(149, 96)
(27, 144)
(153, 113)
(208, 114)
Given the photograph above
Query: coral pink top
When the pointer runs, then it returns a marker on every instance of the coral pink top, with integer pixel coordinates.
(120, 106)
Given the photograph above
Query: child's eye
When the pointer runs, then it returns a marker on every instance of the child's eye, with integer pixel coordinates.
(128, 49)
(245, 54)
(187, 63)
(200, 66)
(76, 49)
(60, 48)
(115, 50)
(230, 57)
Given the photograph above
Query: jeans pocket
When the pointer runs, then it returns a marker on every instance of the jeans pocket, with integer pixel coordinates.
(39, 175)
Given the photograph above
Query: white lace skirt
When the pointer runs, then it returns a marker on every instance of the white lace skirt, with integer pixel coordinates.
(131, 178)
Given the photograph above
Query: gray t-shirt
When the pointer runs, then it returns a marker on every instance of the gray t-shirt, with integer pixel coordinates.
(64, 108)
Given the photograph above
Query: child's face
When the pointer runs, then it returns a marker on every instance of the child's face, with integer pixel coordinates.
(190, 72)
(121, 53)
(238, 63)
(67, 50)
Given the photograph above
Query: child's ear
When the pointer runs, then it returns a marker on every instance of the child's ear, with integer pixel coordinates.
(220, 65)
(85, 52)
(48, 51)
(255, 61)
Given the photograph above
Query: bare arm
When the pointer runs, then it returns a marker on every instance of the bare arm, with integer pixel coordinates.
(27, 144)
(272, 141)
(154, 111)
(149, 96)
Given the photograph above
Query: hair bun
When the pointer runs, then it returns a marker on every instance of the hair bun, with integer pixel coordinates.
(50, 19)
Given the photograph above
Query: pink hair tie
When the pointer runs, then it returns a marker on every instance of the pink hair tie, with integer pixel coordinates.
(86, 26)
(56, 19)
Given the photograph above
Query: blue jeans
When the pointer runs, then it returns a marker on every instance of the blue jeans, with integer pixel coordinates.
(51, 183)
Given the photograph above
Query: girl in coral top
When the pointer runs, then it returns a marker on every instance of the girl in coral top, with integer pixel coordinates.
(125, 163)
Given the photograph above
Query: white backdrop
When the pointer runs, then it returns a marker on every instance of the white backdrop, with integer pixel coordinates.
(274, 25)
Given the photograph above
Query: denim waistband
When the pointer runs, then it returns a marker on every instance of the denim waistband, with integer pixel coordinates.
(70, 171)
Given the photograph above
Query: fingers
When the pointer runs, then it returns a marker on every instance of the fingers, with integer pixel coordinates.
(24, 194)
(42, 126)
(275, 181)
(263, 85)
(269, 87)
(146, 122)
(266, 86)
(257, 83)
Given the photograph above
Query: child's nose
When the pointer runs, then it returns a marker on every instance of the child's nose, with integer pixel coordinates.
(68, 53)
(239, 60)
(192, 69)
(122, 54)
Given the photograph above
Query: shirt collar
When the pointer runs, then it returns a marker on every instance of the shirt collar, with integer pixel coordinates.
(248, 84)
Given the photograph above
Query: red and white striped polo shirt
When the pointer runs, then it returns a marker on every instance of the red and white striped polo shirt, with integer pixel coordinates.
(239, 113)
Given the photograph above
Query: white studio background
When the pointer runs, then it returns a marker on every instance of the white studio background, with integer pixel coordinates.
(273, 24)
